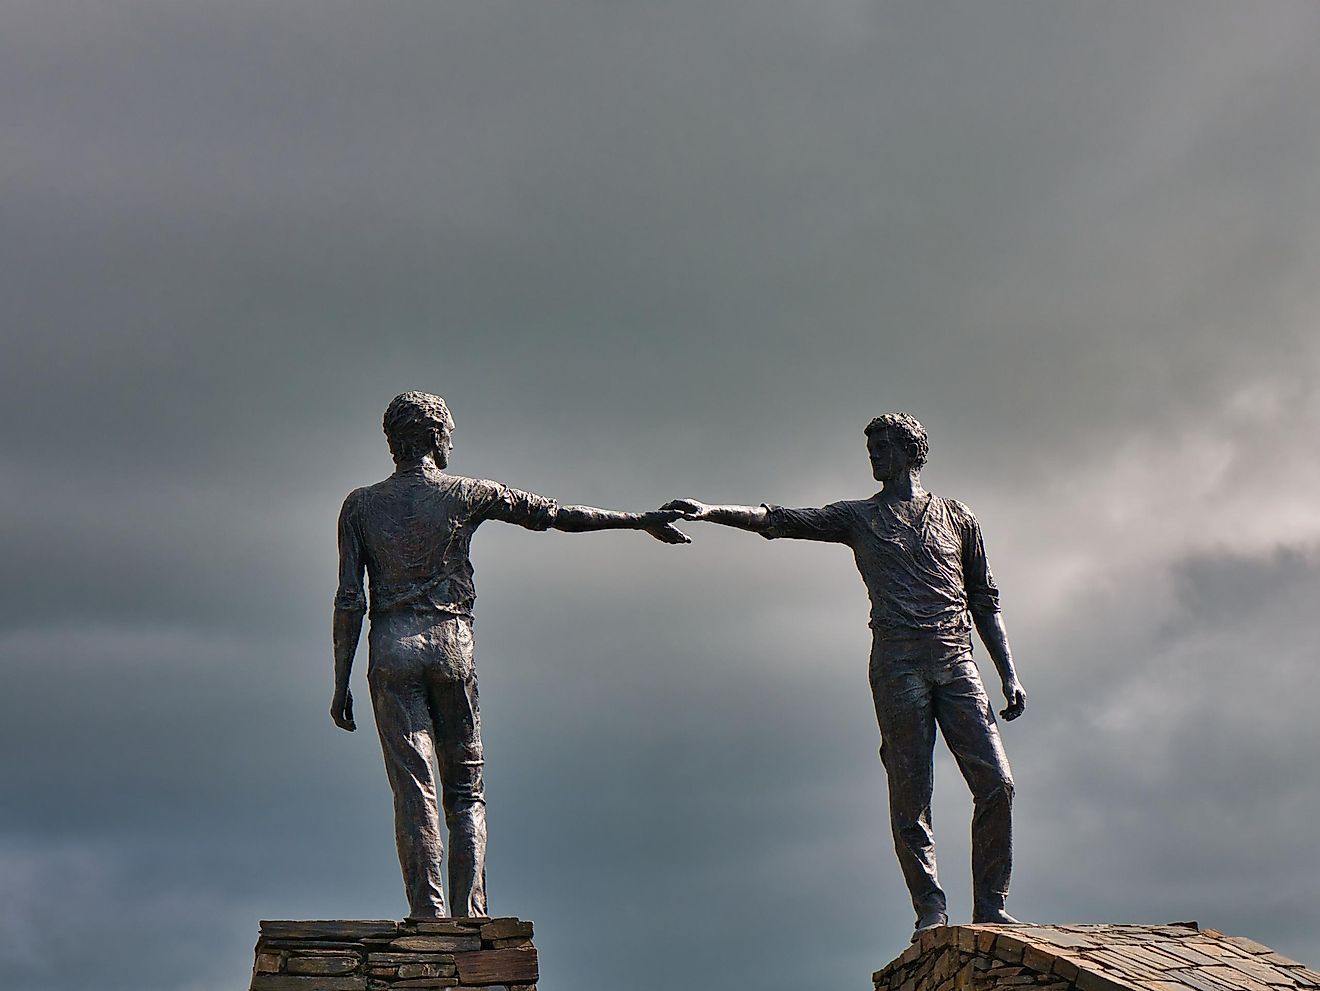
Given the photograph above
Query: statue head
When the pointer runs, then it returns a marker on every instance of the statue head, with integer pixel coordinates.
(893, 438)
(417, 424)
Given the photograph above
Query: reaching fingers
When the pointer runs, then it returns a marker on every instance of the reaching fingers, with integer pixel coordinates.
(670, 534)
(683, 506)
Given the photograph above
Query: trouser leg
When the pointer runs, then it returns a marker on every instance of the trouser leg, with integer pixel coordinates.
(968, 723)
(907, 732)
(457, 714)
(403, 720)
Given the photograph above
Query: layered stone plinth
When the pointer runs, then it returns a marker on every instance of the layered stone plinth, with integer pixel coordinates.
(1176, 957)
(354, 955)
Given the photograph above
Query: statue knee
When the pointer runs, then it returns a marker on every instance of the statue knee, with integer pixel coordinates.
(998, 789)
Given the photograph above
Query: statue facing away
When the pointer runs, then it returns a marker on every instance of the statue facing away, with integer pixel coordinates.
(411, 533)
(924, 565)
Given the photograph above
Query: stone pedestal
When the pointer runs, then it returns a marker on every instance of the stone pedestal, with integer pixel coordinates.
(355, 955)
(1176, 957)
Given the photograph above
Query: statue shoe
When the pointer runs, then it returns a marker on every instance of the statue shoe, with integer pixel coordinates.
(995, 917)
(927, 922)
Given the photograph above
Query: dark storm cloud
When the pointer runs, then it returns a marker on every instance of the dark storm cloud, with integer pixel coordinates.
(651, 251)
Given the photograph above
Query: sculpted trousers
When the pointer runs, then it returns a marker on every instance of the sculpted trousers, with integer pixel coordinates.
(917, 686)
(424, 694)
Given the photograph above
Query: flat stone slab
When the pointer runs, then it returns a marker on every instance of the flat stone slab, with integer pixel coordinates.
(508, 966)
(381, 954)
(1038, 957)
(347, 930)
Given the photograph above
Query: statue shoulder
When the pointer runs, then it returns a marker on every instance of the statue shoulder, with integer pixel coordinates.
(355, 498)
(959, 512)
(854, 505)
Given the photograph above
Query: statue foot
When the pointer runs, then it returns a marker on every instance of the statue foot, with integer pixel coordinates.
(996, 917)
(927, 922)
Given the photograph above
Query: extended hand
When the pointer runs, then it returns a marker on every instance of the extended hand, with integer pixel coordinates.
(660, 525)
(689, 509)
(341, 710)
(1016, 698)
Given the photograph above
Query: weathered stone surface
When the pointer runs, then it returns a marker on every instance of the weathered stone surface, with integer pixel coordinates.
(1173, 957)
(1009, 949)
(385, 956)
(447, 927)
(497, 967)
(311, 945)
(1058, 937)
(321, 965)
(409, 970)
(1279, 960)
(1037, 959)
(1094, 980)
(287, 982)
(1064, 967)
(1231, 977)
(395, 959)
(1189, 953)
(438, 943)
(1256, 968)
(1250, 945)
(334, 929)
(506, 929)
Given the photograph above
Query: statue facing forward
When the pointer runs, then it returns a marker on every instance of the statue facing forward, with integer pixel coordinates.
(411, 533)
(924, 565)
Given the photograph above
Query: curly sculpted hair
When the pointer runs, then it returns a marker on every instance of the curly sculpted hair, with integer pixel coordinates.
(411, 422)
(906, 430)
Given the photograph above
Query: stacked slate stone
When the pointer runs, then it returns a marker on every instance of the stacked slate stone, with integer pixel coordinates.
(491, 954)
(1176, 957)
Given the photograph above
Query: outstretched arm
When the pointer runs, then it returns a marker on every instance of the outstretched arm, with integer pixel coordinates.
(752, 518)
(497, 501)
(581, 519)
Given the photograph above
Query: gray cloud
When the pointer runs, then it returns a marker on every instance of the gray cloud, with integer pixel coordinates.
(649, 252)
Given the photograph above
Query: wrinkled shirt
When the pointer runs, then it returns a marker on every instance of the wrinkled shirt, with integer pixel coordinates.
(924, 579)
(412, 534)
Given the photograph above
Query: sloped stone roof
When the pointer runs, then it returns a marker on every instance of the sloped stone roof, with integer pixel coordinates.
(1174, 957)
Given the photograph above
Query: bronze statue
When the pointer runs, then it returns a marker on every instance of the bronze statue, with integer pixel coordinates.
(924, 565)
(412, 533)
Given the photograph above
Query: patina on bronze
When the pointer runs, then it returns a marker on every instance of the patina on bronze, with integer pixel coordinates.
(924, 565)
(411, 534)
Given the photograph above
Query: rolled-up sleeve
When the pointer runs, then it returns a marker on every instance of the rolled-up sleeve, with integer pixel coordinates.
(350, 596)
(497, 501)
(831, 523)
(982, 592)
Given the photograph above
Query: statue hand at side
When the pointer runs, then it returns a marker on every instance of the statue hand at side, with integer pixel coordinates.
(660, 525)
(689, 509)
(1016, 697)
(341, 710)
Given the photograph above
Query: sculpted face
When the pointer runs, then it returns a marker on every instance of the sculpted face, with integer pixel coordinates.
(443, 445)
(889, 460)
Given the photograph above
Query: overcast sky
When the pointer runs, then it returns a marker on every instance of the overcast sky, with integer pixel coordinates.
(651, 250)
